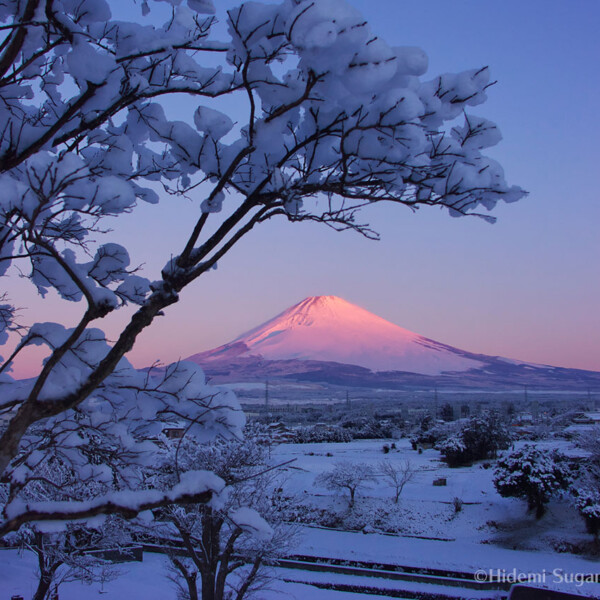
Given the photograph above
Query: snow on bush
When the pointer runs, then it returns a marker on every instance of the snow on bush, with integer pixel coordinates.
(534, 474)
(480, 437)
(588, 504)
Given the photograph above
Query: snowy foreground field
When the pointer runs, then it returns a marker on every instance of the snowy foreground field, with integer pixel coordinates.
(144, 581)
(424, 509)
(489, 534)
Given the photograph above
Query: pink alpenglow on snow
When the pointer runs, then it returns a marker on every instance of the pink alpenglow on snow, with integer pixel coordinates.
(328, 328)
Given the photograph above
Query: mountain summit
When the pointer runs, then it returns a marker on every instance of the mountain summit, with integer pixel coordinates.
(330, 329)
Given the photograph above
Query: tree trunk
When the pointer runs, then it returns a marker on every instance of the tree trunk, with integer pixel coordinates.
(224, 564)
(540, 509)
(192, 589)
(43, 586)
(46, 566)
(537, 504)
(211, 548)
(189, 576)
(208, 586)
(250, 579)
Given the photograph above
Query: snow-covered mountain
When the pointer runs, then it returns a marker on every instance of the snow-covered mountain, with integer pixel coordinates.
(328, 328)
(326, 338)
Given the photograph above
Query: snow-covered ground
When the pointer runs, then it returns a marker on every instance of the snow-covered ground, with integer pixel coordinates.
(146, 580)
(463, 556)
(428, 510)
(490, 534)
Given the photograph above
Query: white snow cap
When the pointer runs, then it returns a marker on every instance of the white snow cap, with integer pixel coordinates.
(206, 7)
(411, 60)
(251, 522)
(212, 122)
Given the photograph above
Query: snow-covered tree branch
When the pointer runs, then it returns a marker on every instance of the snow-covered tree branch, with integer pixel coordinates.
(224, 545)
(334, 119)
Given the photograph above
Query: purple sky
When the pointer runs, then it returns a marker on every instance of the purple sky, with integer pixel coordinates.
(526, 288)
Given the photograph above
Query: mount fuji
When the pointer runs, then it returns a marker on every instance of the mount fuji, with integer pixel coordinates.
(327, 339)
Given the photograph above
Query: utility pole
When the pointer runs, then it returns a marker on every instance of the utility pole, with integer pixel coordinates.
(591, 403)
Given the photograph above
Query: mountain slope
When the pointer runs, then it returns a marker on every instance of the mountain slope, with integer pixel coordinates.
(327, 339)
(328, 328)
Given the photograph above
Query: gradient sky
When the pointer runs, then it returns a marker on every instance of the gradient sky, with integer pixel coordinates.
(527, 287)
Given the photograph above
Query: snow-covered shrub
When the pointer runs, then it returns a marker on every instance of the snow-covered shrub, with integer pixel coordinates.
(588, 505)
(431, 436)
(533, 474)
(589, 442)
(485, 434)
(427, 422)
(322, 433)
(454, 451)
(372, 427)
(374, 516)
(481, 437)
(447, 412)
